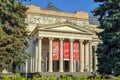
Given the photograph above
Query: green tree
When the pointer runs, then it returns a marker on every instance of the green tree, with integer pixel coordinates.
(2, 34)
(108, 51)
(13, 45)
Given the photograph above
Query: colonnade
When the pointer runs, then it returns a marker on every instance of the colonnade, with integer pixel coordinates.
(85, 61)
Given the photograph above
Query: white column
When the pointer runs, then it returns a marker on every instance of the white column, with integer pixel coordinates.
(33, 56)
(50, 55)
(26, 67)
(71, 55)
(21, 68)
(36, 57)
(39, 53)
(61, 56)
(81, 60)
(96, 61)
(31, 65)
(90, 57)
(33, 68)
(86, 56)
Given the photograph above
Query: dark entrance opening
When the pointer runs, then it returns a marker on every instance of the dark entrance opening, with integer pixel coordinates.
(66, 66)
(55, 66)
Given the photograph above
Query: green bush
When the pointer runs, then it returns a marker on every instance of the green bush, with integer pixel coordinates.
(54, 77)
(13, 77)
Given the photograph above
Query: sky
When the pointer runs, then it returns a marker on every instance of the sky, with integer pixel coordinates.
(67, 5)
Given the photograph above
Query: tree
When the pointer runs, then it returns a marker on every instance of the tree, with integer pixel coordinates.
(12, 22)
(108, 51)
(2, 34)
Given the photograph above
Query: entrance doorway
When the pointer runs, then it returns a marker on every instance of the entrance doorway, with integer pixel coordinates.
(55, 66)
(66, 66)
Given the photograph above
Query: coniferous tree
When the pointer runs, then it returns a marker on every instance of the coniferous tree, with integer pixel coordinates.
(14, 43)
(108, 51)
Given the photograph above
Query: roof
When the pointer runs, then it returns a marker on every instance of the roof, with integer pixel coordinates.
(93, 20)
(51, 6)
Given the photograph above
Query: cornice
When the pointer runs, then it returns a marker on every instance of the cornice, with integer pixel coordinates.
(55, 16)
(36, 10)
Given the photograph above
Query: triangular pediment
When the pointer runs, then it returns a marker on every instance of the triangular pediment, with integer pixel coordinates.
(67, 27)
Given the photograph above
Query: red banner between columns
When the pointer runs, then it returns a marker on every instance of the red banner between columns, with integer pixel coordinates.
(76, 50)
(56, 50)
(66, 48)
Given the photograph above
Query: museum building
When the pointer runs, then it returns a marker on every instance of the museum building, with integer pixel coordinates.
(60, 41)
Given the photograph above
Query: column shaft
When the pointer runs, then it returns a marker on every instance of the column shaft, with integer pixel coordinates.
(21, 68)
(36, 57)
(26, 68)
(86, 57)
(96, 61)
(50, 55)
(71, 55)
(39, 53)
(81, 61)
(61, 56)
(33, 56)
(31, 65)
(90, 57)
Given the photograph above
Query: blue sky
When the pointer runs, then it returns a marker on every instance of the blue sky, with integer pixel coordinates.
(67, 5)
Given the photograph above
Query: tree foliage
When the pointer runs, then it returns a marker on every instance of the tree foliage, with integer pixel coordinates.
(14, 42)
(108, 51)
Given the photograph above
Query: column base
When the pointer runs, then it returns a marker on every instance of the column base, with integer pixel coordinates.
(81, 71)
(61, 71)
(39, 71)
(91, 70)
(50, 71)
(71, 71)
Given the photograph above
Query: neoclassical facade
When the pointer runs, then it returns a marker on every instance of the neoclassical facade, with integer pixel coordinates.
(60, 41)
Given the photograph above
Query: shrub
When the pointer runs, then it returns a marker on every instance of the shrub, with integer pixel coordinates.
(54, 77)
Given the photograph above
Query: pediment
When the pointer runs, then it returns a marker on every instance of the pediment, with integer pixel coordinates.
(65, 28)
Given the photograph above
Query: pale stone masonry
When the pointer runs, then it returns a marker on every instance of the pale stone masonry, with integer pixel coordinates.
(53, 33)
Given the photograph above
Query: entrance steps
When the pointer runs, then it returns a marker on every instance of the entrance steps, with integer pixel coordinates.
(58, 74)
(77, 74)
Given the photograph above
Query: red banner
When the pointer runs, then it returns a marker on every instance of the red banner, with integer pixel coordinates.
(76, 51)
(55, 50)
(66, 50)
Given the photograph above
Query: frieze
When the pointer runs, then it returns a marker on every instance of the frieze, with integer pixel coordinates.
(40, 19)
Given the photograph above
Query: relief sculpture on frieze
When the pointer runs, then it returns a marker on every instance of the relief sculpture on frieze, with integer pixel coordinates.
(52, 20)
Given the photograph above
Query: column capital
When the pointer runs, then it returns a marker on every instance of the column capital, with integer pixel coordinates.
(81, 40)
(61, 39)
(40, 38)
(96, 45)
(71, 40)
(50, 38)
(89, 41)
(35, 40)
(26, 60)
(86, 41)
